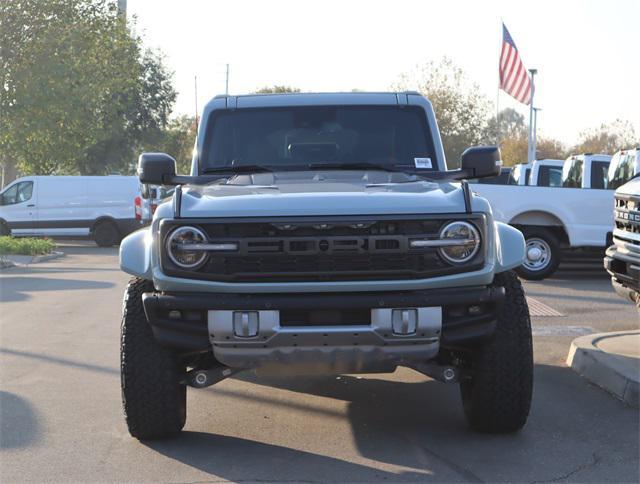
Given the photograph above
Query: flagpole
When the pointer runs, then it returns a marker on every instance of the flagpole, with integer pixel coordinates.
(531, 146)
(498, 117)
(498, 90)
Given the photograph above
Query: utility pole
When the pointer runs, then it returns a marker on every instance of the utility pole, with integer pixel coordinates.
(531, 151)
(226, 84)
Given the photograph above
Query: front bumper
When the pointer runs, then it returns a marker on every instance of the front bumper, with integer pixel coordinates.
(289, 335)
(624, 267)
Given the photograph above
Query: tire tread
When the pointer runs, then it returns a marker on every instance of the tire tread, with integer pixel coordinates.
(154, 401)
(497, 398)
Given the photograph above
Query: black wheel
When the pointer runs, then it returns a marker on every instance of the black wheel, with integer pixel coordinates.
(542, 255)
(106, 234)
(153, 398)
(4, 230)
(496, 394)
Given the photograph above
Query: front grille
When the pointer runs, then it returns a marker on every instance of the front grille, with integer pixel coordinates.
(327, 268)
(327, 249)
(627, 214)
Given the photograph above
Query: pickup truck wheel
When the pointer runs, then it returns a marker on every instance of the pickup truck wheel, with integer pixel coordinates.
(496, 395)
(542, 255)
(106, 234)
(153, 398)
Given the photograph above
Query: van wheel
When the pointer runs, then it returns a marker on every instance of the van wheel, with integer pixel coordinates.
(542, 254)
(496, 395)
(4, 230)
(106, 234)
(154, 400)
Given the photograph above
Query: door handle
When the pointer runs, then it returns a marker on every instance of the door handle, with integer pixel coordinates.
(31, 205)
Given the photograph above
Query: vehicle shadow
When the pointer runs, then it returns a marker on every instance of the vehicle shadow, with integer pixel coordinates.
(420, 426)
(14, 288)
(237, 460)
(19, 424)
(52, 269)
(60, 361)
(570, 270)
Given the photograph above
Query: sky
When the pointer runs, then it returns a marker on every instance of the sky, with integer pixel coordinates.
(586, 52)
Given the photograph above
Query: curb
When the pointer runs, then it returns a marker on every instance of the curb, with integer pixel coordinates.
(616, 373)
(12, 260)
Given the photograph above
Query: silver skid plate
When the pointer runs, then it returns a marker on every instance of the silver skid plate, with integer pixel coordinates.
(255, 339)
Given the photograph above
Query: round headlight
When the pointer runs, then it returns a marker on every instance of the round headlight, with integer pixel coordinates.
(468, 239)
(178, 244)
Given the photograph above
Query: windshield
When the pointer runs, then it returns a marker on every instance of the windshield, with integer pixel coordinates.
(622, 169)
(549, 176)
(572, 173)
(390, 136)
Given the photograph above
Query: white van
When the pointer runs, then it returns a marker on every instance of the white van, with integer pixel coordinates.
(102, 207)
(152, 196)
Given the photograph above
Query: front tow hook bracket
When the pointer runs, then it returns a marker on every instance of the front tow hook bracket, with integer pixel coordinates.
(445, 374)
(205, 378)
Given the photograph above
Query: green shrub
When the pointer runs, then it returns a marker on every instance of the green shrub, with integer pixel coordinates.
(25, 246)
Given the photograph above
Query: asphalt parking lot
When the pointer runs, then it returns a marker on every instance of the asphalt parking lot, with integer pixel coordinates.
(61, 417)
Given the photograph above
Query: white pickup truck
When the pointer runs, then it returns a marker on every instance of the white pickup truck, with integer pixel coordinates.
(541, 173)
(546, 173)
(555, 219)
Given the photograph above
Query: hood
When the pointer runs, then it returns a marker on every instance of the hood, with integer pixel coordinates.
(632, 187)
(321, 193)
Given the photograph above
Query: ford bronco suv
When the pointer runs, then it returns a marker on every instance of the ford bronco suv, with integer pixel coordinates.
(323, 233)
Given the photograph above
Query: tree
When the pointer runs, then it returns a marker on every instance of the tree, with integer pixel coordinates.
(550, 148)
(146, 116)
(607, 138)
(276, 89)
(514, 150)
(177, 140)
(460, 107)
(509, 124)
(78, 94)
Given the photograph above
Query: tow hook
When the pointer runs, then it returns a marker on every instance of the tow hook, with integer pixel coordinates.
(202, 378)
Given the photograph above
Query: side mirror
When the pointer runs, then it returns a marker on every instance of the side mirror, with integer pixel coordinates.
(156, 168)
(481, 161)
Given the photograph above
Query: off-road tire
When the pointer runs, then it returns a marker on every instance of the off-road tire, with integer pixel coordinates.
(154, 401)
(555, 254)
(496, 392)
(106, 234)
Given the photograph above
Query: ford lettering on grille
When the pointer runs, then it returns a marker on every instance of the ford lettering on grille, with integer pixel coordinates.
(323, 245)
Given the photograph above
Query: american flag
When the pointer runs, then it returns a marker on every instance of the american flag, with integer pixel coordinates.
(514, 78)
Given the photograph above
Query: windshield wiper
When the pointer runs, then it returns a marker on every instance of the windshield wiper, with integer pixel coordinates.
(238, 169)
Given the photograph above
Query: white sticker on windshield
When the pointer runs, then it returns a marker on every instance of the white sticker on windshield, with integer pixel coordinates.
(423, 162)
